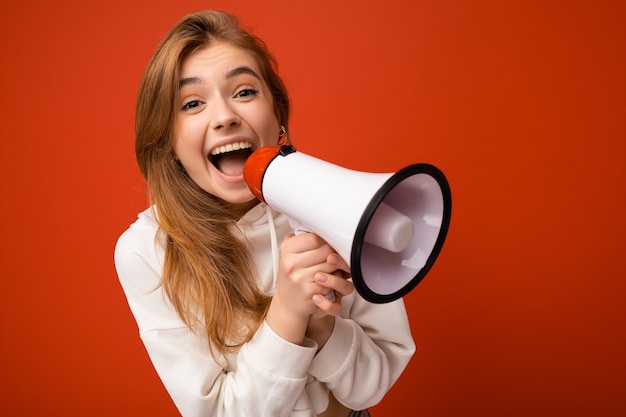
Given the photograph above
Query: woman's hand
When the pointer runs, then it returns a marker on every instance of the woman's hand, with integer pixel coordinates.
(304, 274)
(337, 281)
(322, 321)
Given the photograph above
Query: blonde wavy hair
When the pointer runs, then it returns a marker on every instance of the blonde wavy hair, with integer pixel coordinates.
(208, 273)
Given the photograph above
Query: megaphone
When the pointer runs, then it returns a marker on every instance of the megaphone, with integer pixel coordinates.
(389, 227)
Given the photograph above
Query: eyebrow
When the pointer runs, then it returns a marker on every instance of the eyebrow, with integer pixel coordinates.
(241, 70)
(188, 81)
(229, 74)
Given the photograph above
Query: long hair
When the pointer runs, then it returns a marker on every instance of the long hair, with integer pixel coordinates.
(208, 273)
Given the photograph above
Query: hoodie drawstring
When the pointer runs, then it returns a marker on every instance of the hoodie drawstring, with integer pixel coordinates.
(274, 242)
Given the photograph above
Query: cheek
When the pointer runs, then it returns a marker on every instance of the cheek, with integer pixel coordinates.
(188, 142)
(269, 128)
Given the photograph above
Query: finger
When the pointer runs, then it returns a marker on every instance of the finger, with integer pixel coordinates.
(333, 282)
(338, 262)
(328, 293)
(307, 242)
(327, 306)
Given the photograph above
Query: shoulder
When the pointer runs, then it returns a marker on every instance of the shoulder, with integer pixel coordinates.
(139, 247)
(139, 255)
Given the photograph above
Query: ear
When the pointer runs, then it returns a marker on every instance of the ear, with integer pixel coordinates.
(283, 138)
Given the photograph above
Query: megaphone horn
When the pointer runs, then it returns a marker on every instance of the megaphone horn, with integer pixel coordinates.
(388, 227)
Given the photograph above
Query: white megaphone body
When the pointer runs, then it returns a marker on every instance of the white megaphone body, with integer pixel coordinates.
(389, 228)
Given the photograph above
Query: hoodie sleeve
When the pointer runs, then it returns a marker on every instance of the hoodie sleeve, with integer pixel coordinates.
(266, 378)
(369, 348)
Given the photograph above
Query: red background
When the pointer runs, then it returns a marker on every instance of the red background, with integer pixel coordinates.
(521, 103)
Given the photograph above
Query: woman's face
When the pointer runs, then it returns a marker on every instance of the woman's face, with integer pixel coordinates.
(226, 111)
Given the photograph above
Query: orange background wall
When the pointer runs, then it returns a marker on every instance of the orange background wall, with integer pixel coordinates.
(521, 103)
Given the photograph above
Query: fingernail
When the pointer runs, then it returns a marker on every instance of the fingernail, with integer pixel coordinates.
(321, 277)
(317, 299)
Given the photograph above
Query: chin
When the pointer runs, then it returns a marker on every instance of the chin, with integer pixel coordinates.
(242, 197)
(239, 197)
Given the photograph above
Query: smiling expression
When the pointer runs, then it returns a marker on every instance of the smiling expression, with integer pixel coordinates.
(226, 111)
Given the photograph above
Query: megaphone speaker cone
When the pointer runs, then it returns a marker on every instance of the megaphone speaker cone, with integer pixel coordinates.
(421, 193)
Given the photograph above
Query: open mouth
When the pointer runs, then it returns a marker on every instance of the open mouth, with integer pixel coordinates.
(229, 159)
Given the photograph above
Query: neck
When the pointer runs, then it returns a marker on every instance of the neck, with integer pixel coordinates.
(242, 208)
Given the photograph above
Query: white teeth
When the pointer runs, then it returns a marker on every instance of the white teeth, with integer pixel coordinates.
(231, 147)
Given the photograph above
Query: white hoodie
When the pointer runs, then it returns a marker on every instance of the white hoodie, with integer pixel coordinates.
(369, 348)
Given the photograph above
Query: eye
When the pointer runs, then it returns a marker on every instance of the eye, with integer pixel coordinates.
(246, 92)
(192, 104)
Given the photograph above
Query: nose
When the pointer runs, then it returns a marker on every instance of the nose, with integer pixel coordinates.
(224, 116)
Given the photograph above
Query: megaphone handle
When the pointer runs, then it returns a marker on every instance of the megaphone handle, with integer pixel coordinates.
(298, 229)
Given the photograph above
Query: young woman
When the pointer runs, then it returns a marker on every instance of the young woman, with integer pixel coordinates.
(229, 303)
